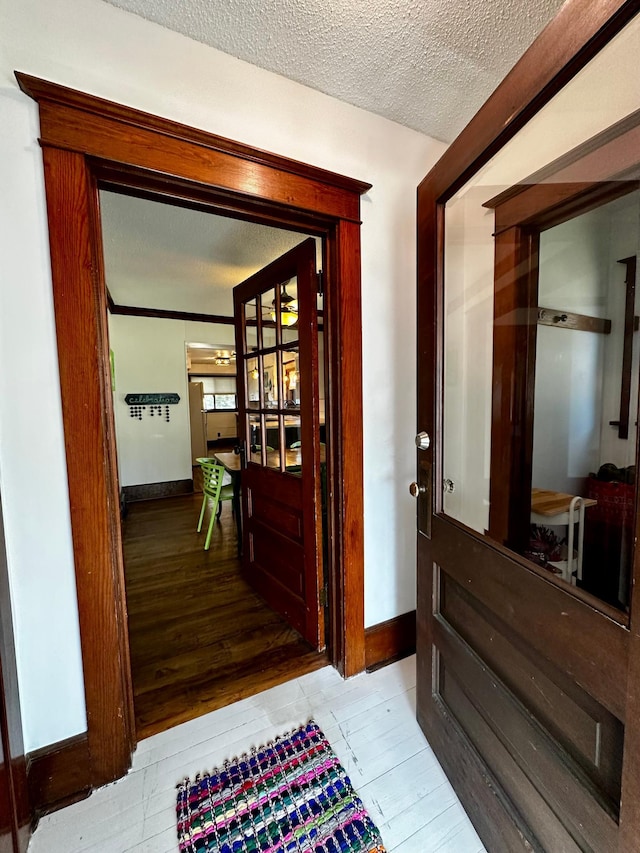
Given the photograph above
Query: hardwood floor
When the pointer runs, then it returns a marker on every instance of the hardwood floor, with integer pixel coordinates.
(371, 724)
(200, 637)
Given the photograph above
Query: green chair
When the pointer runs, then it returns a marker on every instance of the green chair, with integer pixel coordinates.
(212, 475)
(226, 492)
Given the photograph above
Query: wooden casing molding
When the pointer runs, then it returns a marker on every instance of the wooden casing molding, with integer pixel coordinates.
(390, 640)
(574, 37)
(151, 491)
(59, 774)
(89, 143)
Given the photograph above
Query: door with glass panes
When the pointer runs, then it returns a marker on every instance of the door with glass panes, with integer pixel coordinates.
(278, 401)
(528, 370)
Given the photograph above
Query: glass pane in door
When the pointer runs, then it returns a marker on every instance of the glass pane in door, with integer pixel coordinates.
(256, 439)
(252, 370)
(293, 432)
(272, 427)
(289, 311)
(579, 400)
(542, 353)
(251, 325)
(270, 381)
(268, 301)
(291, 378)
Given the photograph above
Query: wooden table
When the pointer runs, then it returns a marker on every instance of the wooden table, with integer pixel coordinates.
(559, 508)
(548, 503)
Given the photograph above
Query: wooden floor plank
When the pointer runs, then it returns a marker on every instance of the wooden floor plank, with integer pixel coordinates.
(199, 636)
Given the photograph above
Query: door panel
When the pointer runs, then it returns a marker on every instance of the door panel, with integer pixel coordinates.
(276, 324)
(526, 536)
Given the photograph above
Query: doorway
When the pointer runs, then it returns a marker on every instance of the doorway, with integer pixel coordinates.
(204, 630)
(120, 148)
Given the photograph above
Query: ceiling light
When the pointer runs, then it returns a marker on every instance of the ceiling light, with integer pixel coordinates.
(288, 308)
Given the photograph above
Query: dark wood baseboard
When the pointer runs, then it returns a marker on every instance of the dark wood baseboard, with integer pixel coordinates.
(149, 491)
(59, 774)
(390, 640)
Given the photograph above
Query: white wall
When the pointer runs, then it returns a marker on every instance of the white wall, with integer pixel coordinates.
(89, 45)
(574, 260)
(150, 356)
(578, 374)
(623, 235)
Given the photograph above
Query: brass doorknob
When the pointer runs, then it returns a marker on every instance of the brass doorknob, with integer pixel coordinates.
(415, 490)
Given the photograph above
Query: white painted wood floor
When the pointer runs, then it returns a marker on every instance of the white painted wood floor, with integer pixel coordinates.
(370, 723)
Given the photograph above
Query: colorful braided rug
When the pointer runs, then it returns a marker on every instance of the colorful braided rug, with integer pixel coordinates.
(290, 796)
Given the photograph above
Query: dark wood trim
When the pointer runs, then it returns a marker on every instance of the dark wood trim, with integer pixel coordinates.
(563, 48)
(558, 319)
(151, 491)
(548, 205)
(627, 349)
(45, 91)
(72, 205)
(514, 351)
(114, 134)
(83, 139)
(391, 640)
(346, 465)
(217, 200)
(59, 774)
(163, 314)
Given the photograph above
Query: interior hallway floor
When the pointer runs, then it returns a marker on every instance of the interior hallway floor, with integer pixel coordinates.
(199, 636)
(370, 723)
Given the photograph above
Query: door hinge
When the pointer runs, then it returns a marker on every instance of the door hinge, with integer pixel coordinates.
(320, 284)
(324, 596)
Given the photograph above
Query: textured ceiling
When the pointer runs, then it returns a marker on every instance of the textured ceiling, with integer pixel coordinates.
(427, 64)
(161, 256)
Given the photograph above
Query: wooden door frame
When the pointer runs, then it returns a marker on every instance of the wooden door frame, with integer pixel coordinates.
(87, 143)
(569, 42)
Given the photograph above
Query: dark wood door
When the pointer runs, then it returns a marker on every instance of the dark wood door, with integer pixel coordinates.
(527, 504)
(279, 426)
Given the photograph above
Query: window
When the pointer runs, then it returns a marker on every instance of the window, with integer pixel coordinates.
(219, 392)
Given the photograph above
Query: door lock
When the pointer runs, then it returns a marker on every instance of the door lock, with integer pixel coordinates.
(423, 441)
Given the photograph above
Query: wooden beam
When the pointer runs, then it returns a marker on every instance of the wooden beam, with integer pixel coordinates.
(165, 314)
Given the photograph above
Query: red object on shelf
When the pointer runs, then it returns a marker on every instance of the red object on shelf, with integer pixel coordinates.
(615, 502)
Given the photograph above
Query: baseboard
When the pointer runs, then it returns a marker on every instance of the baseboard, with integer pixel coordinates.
(390, 640)
(59, 774)
(150, 491)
